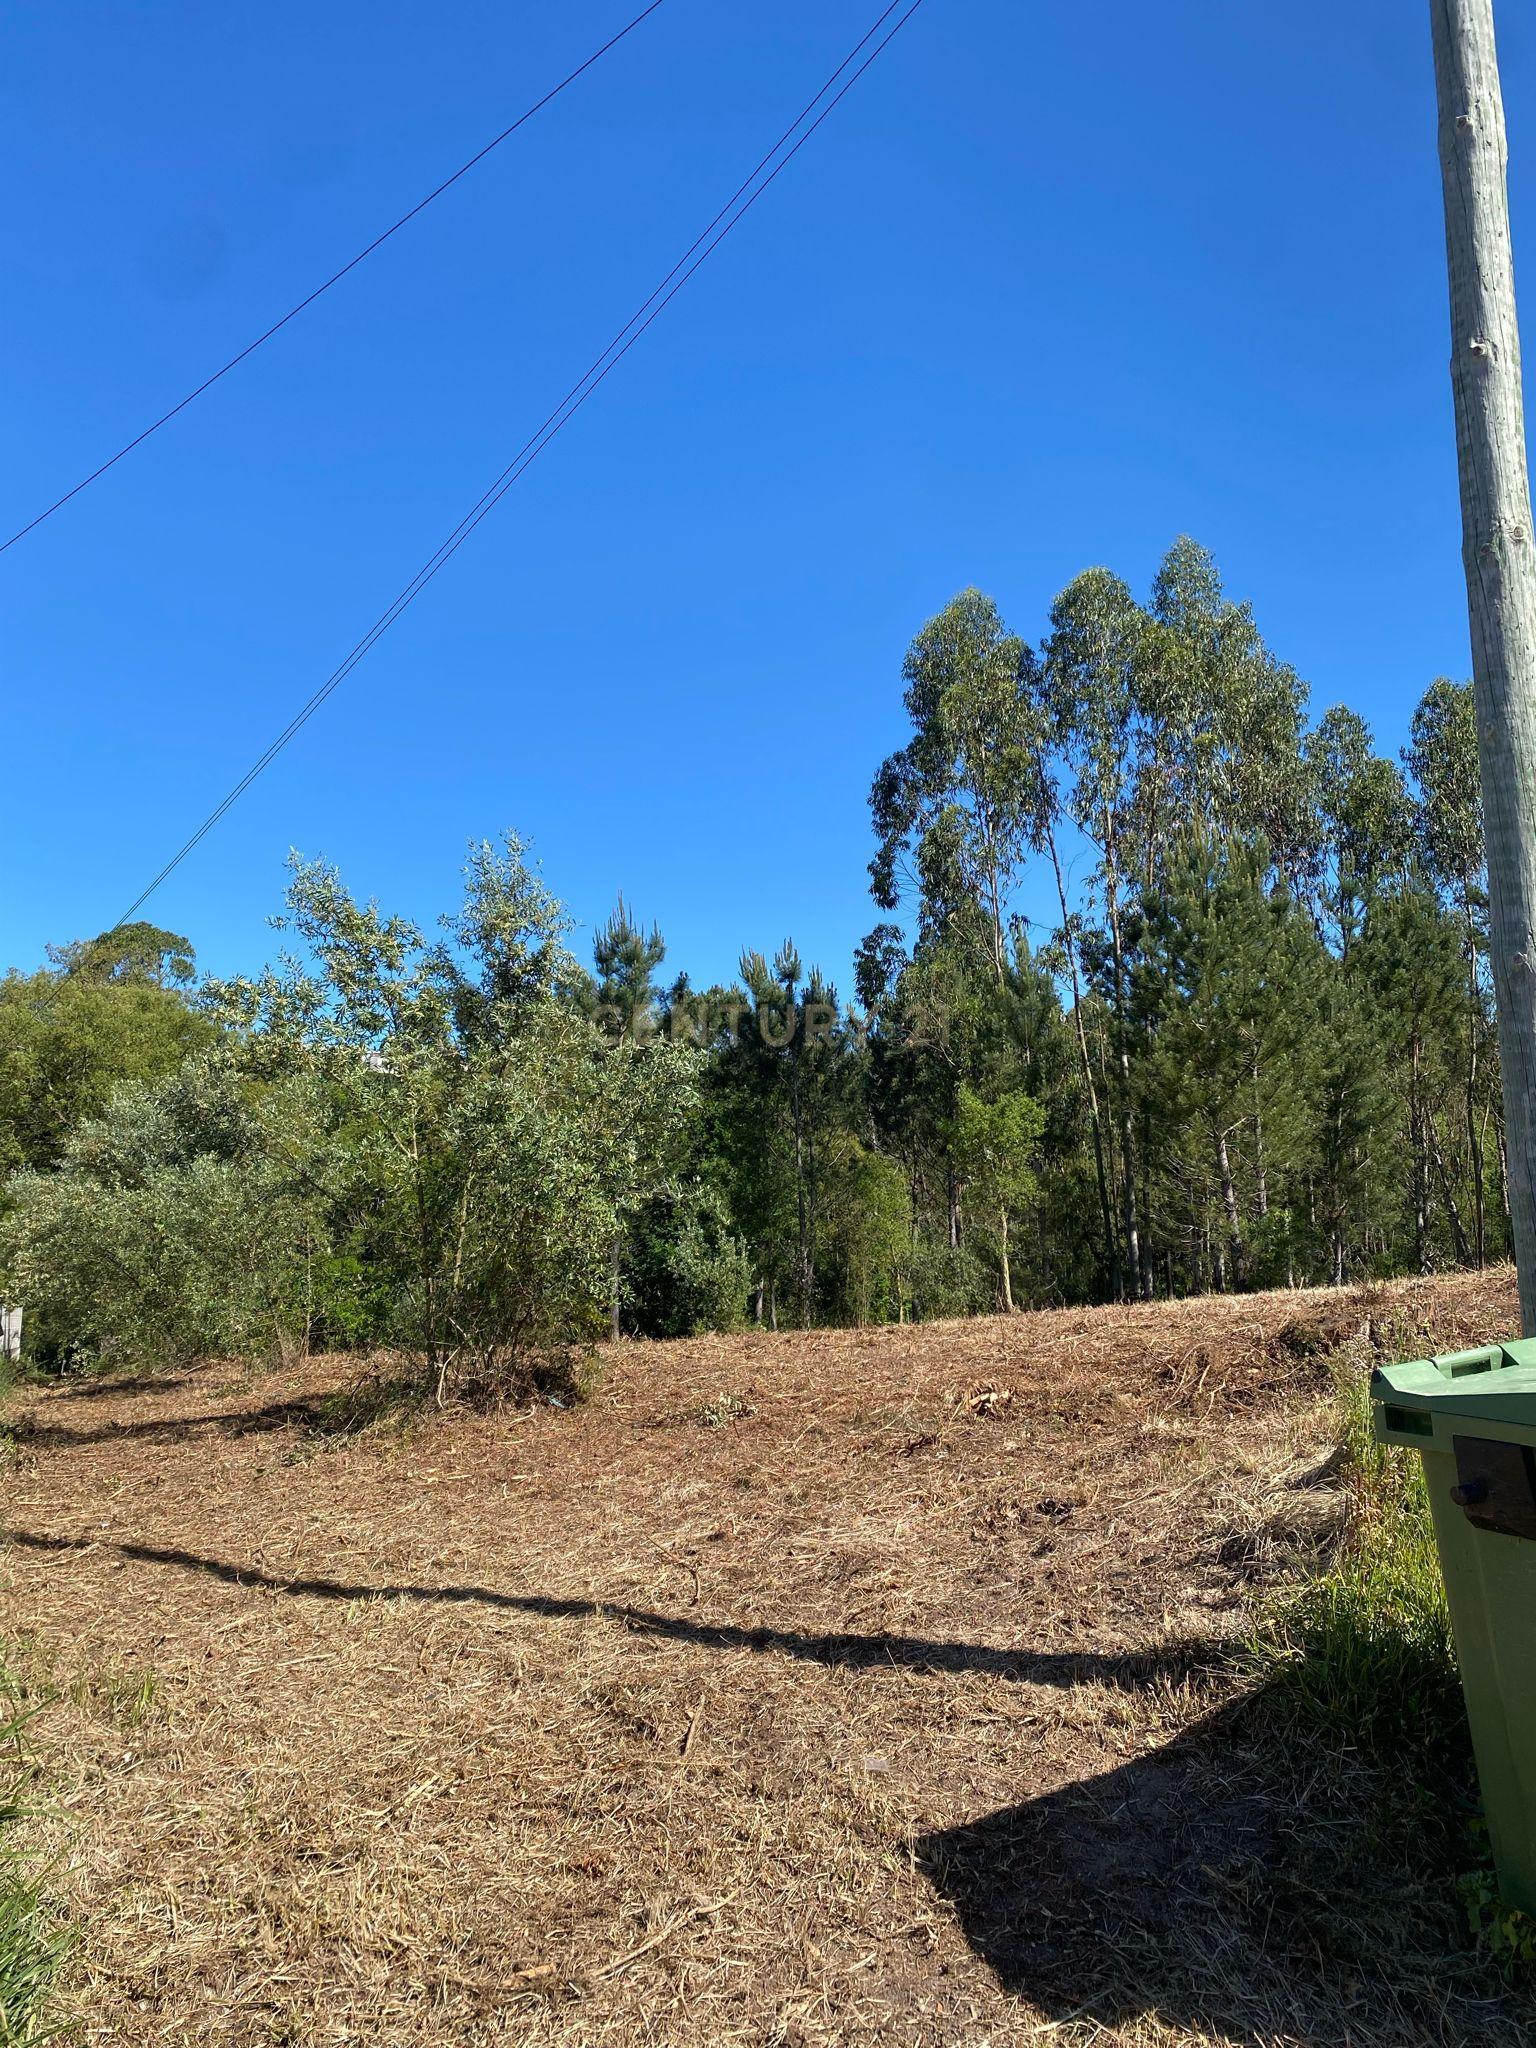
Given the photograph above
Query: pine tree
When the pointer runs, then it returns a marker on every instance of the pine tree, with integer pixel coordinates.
(1442, 759)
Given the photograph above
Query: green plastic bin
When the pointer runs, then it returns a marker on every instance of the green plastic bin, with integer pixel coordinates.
(1472, 1418)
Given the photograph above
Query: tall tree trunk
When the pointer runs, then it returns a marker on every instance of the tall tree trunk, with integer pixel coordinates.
(1095, 1118)
(1127, 1123)
(1229, 1207)
(995, 906)
(1420, 1154)
(1498, 554)
(811, 1210)
(1128, 1174)
(1447, 1191)
(1475, 1159)
(1474, 1135)
(1260, 1164)
(803, 1262)
(1002, 1221)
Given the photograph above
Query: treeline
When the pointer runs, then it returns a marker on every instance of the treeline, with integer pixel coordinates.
(1249, 1043)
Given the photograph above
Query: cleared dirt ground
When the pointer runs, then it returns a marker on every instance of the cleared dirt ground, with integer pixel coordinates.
(862, 1687)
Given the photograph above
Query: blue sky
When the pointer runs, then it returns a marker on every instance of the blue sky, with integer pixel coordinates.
(1056, 283)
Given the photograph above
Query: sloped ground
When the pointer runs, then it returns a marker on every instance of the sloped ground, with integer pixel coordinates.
(854, 1687)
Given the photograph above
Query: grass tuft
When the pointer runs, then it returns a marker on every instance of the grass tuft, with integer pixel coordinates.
(1364, 1648)
(125, 1696)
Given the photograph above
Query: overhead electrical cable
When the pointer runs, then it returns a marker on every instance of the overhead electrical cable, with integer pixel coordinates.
(699, 251)
(335, 278)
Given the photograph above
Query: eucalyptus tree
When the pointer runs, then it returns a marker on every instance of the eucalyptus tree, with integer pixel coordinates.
(1066, 950)
(916, 1005)
(956, 809)
(1094, 664)
(996, 1143)
(1226, 722)
(1366, 821)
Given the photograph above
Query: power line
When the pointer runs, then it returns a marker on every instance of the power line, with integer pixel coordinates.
(698, 252)
(335, 278)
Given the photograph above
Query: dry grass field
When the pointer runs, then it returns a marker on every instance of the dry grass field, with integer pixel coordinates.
(841, 1688)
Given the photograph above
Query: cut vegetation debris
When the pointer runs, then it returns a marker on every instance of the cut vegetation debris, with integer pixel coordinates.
(911, 1700)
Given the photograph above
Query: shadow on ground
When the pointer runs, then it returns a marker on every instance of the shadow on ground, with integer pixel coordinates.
(835, 1647)
(37, 1435)
(1251, 1882)
(1228, 1885)
(109, 1386)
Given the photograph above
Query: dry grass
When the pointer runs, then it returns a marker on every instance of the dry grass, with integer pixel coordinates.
(842, 1688)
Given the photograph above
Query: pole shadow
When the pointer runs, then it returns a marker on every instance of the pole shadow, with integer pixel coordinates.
(832, 1647)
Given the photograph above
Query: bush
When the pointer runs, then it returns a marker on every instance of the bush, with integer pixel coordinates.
(182, 1224)
(951, 1281)
(352, 1304)
(424, 1146)
(685, 1271)
(867, 1233)
(483, 1141)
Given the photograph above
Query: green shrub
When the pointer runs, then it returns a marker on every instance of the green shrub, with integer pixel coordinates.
(421, 1146)
(352, 1304)
(685, 1270)
(866, 1233)
(951, 1281)
(181, 1224)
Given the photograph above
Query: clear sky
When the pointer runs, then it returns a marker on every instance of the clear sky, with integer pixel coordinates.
(1058, 281)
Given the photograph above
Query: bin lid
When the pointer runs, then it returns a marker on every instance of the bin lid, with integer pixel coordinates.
(1494, 1384)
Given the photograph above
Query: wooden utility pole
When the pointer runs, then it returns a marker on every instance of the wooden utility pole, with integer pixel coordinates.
(1499, 557)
